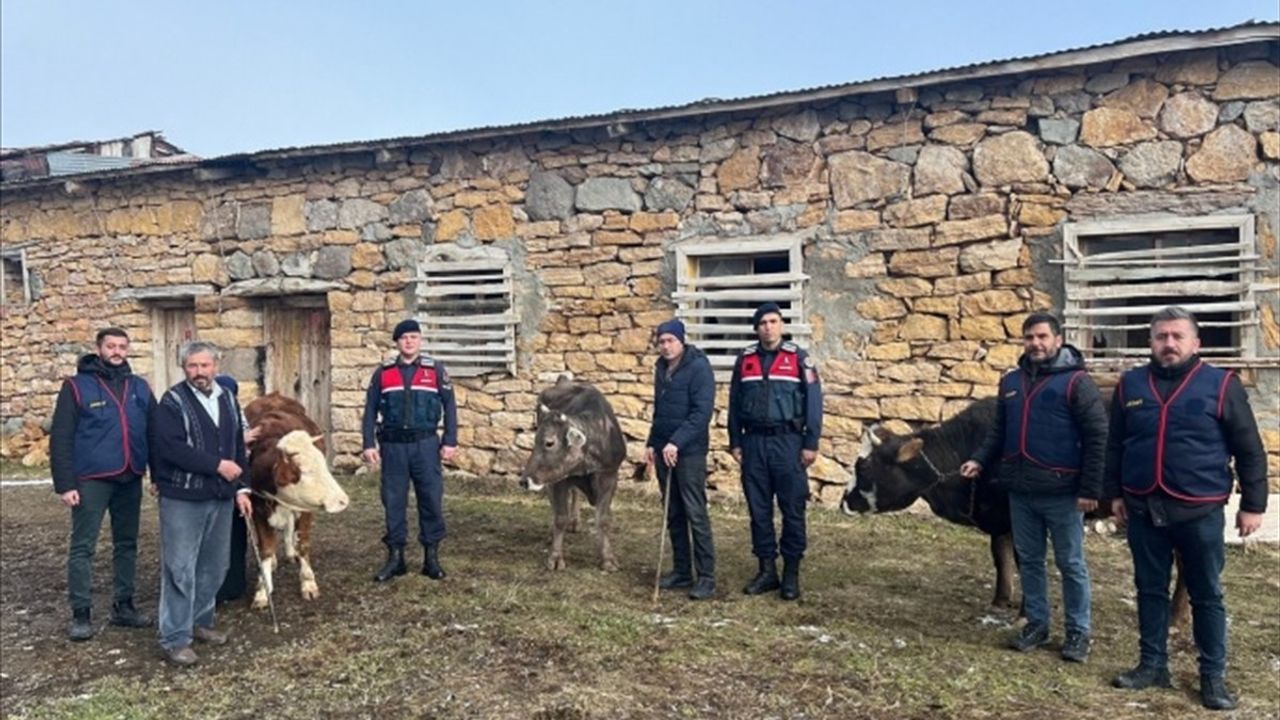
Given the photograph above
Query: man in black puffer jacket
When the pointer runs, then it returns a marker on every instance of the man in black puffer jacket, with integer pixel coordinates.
(684, 393)
(1050, 433)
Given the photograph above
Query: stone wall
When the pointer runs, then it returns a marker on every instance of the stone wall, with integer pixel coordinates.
(928, 218)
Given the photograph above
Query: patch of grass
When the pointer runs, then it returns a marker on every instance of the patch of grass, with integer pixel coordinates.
(894, 623)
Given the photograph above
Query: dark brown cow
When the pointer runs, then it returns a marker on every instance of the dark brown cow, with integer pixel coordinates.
(291, 481)
(896, 470)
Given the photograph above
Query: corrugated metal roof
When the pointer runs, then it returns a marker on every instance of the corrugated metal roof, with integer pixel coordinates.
(74, 163)
(1133, 46)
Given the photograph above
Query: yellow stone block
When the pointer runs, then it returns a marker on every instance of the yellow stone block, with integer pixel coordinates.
(494, 222)
(287, 216)
(450, 225)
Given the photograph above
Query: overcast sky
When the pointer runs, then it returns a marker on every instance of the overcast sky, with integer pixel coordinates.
(232, 75)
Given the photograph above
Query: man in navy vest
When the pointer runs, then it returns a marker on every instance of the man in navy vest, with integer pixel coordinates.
(1176, 424)
(98, 453)
(198, 458)
(408, 397)
(1050, 435)
(684, 397)
(775, 422)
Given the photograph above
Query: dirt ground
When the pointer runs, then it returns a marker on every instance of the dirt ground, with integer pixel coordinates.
(894, 623)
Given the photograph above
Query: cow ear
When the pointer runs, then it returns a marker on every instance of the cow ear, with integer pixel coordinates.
(910, 449)
(575, 437)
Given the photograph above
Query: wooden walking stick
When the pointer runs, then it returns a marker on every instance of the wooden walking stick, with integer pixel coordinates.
(662, 539)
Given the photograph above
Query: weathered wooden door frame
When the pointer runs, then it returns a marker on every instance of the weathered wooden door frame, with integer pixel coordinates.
(164, 357)
(313, 388)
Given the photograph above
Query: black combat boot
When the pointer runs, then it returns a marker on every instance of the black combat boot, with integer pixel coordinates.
(81, 625)
(1214, 693)
(765, 580)
(393, 566)
(124, 614)
(790, 579)
(431, 562)
(1143, 677)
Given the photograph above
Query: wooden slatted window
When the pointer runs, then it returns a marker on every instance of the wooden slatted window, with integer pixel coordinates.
(720, 284)
(467, 312)
(1118, 273)
(15, 285)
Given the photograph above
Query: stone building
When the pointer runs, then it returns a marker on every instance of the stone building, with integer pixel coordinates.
(907, 224)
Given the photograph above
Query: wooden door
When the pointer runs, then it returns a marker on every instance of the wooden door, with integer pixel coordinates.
(171, 326)
(297, 342)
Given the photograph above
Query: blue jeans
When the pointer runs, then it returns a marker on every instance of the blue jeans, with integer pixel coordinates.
(195, 550)
(419, 461)
(1199, 541)
(1033, 516)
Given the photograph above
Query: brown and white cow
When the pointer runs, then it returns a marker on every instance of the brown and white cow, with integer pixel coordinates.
(579, 444)
(291, 482)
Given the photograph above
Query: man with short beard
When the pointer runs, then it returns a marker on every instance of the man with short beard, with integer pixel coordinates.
(1050, 435)
(197, 465)
(1176, 424)
(98, 454)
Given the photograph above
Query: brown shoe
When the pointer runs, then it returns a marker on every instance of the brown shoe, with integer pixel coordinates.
(209, 635)
(182, 657)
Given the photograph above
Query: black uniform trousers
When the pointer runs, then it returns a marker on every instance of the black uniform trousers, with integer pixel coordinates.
(771, 469)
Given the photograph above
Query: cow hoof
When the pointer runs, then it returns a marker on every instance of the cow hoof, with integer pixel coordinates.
(572, 527)
(555, 562)
(609, 565)
(260, 601)
(310, 591)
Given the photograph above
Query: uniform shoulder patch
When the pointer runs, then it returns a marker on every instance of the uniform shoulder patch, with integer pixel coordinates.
(809, 363)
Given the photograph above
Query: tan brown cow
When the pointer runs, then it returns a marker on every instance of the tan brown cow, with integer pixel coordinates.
(291, 482)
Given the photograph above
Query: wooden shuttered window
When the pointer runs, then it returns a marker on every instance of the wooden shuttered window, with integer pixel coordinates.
(467, 312)
(720, 284)
(1118, 273)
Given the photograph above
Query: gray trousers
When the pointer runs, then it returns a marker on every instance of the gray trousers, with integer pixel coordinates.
(195, 549)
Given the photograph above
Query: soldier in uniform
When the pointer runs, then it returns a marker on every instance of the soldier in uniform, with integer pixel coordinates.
(775, 421)
(408, 397)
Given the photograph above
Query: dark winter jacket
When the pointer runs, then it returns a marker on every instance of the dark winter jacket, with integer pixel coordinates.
(1086, 411)
(186, 446)
(683, 403)
(66, 420)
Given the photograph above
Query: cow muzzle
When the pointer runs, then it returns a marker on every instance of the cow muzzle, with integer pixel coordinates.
(337, 504)
(528, 483)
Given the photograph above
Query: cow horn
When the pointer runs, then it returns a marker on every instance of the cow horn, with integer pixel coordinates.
(874, 436)
(317, 439)
(543, 409)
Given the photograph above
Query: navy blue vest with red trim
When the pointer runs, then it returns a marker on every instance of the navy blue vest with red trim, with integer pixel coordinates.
(414, 405)
(775, 397)
(1176, 444)
(111, 432)
(1038, 425)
